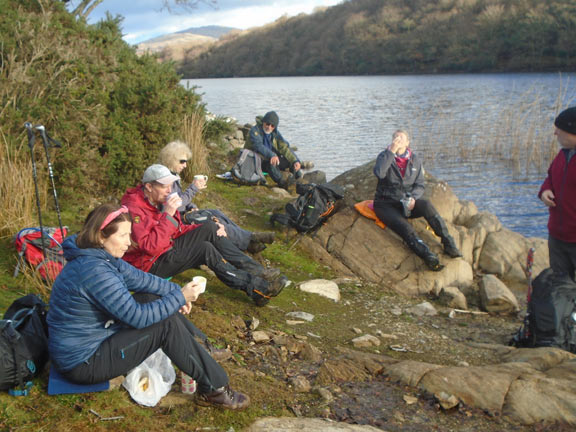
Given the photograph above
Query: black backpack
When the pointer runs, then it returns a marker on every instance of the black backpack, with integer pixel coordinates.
(315, 204)
(23, 344)
(248, 169)
(551, 317)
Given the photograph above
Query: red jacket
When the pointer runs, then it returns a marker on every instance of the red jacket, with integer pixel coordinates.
(561, 181)
(153, 231)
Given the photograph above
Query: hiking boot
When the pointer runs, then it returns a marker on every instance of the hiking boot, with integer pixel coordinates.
(263, 237)
(262, 297)
(423, 251)
(255, 247)
(224, 397)
(441, 230)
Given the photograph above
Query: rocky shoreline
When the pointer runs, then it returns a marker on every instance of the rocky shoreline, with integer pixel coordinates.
(525, 386)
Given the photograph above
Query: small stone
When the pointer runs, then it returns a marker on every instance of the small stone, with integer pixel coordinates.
(356, 330)
(301, 315)
(396, 311)
(254, 323)
(446, 401)
(300, 384)
(295, 322)
(410, 400)
(423, 309)
(314, 335)
(463, 364)
(366, 341)
(322, 287)
(260, 336)
(325, 394)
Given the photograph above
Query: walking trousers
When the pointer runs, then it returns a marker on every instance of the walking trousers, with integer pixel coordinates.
(392, 214)
(202, 246)
(129, 347)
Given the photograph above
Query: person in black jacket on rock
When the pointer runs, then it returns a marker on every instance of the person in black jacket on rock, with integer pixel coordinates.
(399, 197)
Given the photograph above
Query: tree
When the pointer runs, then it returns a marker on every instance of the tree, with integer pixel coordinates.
(85, 7)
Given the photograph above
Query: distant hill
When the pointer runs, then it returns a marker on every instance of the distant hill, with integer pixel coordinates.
(359, 37)
(190, 42)
(210, 31)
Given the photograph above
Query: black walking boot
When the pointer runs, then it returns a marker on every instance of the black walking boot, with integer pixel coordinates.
(441, 230)
(262, 295)
(423, 251)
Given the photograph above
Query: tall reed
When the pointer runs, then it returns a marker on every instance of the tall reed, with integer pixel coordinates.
(519, 135)
(19, 208)
(192, 134)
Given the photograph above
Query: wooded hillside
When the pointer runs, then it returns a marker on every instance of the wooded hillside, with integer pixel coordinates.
(402, 36)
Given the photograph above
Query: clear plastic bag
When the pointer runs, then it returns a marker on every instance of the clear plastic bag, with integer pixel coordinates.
(152, 380)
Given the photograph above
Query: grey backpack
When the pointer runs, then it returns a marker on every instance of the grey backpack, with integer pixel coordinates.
(248, 169)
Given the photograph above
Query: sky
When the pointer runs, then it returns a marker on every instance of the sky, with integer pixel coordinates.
(143, 19)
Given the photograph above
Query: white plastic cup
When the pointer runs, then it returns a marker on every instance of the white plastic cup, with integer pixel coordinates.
(174, 194)
(201, 177)
(187, 384)
(200, 280)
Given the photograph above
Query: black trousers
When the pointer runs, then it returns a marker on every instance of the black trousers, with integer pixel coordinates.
(562, 256)
(392, 214)
(128, 348)
(275, 171)
(202, 246)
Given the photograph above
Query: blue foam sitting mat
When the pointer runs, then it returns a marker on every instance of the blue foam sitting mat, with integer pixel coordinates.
(57, 384)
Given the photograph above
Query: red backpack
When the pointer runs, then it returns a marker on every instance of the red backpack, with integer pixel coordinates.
(31, 249)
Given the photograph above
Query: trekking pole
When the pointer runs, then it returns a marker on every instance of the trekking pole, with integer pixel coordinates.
(46, 140)
(529, 264)
(31, 139)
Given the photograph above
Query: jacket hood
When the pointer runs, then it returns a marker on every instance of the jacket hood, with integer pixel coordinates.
(72, 251)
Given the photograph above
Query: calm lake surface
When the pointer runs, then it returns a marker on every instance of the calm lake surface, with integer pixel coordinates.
(343, 122)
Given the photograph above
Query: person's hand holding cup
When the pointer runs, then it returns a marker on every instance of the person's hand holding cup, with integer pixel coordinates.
(200, 181)
(201, 282)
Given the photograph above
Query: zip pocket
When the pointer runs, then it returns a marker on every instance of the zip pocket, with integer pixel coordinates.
(133, 344)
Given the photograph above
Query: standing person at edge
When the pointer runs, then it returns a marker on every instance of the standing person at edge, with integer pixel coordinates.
(99, 330)
(266, 140)
(558, 192)
(174, 156)
(398, 197)
(165, 247)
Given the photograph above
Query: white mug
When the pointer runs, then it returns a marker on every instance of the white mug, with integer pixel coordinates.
(200, 280)
(201, 177)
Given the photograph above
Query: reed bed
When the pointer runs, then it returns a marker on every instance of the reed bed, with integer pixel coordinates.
(520, 136)
(192, 134)
(19, 208)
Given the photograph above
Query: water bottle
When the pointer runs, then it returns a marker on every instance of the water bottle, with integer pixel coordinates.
(405, 203)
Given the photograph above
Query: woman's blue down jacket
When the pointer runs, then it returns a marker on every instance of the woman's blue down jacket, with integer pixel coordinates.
(91, 301)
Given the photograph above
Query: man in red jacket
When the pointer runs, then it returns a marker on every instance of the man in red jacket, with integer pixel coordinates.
(165, 247)
(558, 192)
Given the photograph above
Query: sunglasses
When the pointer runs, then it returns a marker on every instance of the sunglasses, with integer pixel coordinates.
(183, 161)
(269, 124)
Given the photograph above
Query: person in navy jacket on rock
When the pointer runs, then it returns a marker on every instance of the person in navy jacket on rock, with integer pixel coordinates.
(99, 330)
(558, 192)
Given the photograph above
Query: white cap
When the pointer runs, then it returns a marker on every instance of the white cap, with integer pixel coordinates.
(159, 173)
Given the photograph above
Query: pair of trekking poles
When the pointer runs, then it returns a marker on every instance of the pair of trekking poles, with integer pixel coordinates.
(47, 142)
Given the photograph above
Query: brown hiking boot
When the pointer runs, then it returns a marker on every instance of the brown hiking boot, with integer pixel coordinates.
(224, 397)
(275, 287)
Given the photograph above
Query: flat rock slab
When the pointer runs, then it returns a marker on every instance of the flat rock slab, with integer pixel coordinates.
(287, 424)
(541, 359)
(410, 372)
(323, 288)
(299, 315)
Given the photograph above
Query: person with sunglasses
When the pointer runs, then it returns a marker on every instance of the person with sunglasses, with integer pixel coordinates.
(175, 156)
(277, 156)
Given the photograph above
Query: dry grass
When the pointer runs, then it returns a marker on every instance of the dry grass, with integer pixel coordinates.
(192, 134)
(17, 188)
(519, 136)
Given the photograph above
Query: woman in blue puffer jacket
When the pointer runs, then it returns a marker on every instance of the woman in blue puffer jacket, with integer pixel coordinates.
(99, 330)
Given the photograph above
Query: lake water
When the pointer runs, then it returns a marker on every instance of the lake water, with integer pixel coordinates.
(342, 122)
